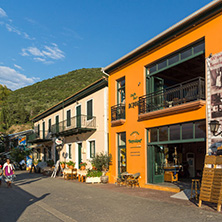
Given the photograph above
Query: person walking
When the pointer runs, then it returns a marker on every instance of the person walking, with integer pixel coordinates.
(1, 172)
(8, 172)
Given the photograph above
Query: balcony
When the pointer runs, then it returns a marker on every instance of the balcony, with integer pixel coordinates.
(38, 138)
(186, 96)
(76, 125)
(118, 115)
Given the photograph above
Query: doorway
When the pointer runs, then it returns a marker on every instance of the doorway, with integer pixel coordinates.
(79, 153)
(155, 164)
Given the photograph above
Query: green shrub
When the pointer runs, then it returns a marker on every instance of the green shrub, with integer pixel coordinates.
(101, 161)
(94, 173)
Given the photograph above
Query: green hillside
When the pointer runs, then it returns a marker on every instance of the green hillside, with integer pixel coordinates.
(24, 103)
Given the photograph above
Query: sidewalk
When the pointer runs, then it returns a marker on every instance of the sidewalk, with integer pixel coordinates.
(157, 195)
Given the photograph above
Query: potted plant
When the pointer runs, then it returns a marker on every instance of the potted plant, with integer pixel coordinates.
(93, 176)
(101, 162)
(71, 164)
(82, 165)
(63, 164)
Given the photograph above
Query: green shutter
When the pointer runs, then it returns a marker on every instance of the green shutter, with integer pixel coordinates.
(68, 114)
(89, 110)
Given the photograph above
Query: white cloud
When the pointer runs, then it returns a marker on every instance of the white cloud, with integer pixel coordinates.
(18, 67)
(13, 79)
(12, 29)
(2, 13)
(45, 55)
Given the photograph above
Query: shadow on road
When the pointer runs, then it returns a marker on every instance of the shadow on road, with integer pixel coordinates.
(14, 201)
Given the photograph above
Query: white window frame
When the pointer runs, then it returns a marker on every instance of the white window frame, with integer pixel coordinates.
(88, 148)
(67, 151)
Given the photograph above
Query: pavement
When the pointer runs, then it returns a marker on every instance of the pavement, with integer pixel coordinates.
(35, 197)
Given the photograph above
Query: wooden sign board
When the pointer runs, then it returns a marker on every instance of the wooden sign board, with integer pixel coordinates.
(211, 185)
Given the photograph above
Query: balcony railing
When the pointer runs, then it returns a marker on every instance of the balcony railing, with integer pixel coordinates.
(75, 124)
(118, 112)
(188, 91)
(39, 136)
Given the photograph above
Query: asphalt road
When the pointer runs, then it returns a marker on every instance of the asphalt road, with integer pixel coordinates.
(38, 198)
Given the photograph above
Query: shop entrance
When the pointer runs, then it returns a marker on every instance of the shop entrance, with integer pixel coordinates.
(187, 158)
(155, 164)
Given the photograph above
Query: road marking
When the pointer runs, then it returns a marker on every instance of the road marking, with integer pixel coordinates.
(46, 207)
(54, 212)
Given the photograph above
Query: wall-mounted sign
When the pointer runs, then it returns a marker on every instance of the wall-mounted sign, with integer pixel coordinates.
(134, 140)
(22, 140)
(133, 104)
(58, 142)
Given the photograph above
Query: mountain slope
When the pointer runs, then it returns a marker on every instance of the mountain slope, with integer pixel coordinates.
(29, 101)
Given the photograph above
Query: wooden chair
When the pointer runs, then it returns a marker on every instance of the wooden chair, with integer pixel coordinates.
(134, 180)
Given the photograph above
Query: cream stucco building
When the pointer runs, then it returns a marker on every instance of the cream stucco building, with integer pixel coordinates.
(80, 121)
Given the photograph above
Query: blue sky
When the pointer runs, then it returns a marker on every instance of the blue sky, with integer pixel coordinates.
(45, 38)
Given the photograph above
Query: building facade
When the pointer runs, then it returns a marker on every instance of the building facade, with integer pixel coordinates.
(159, 100)
(79, 121)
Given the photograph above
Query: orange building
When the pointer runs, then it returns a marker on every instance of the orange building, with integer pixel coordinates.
(158, 101)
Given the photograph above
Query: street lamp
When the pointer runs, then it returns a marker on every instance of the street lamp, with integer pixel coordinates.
(214, 126)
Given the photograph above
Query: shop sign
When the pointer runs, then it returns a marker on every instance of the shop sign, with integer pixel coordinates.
(133, 104)
(135, 140)
(58, 142)
(22, 140)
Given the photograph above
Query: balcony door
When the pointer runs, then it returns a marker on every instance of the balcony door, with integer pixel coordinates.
(155, 86)
(78, 116)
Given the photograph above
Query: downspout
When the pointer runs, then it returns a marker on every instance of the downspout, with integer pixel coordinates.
(102, 69)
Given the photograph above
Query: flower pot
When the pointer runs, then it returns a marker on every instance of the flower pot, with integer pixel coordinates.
(93, 180)
(71, 167)
(104, 179)
(82, 168)
(63, 165)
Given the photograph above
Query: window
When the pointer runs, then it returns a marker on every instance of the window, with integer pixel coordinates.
(38, 130)
(57, 124)
(188, 131)
(49, 125)
(70, 150)
(43, 130)
(92, 149)
(122, 139)
(89, 109)
(121, 90)
(68, 118)
(177, 57)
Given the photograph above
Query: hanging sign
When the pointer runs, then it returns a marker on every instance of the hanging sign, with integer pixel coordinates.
(58, 141)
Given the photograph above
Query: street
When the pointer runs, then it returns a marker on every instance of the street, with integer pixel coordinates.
(35, 197)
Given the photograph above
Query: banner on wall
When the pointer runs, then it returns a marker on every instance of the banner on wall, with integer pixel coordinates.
(215, 68)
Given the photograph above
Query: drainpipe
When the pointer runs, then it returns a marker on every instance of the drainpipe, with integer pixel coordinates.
(102, 69)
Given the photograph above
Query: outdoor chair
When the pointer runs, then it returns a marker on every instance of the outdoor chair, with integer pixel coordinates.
(134, 180)
(121, 180)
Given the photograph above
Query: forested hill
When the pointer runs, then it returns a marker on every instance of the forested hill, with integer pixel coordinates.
(24, 103)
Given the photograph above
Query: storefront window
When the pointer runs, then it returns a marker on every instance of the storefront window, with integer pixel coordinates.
(122, 139)
(175, 132)
(153, 135)
(200, 129)
(163, 133)
(187, 131)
